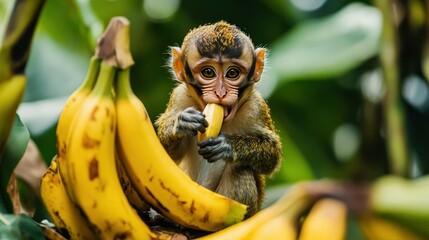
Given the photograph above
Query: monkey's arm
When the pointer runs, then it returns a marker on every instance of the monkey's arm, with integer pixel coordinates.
(257, 148)
(179, 124)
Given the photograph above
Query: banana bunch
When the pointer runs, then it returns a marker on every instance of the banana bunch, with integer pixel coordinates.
(404, 202)
(11, 93)
(110, 163)
(155, 175)
(286, 219)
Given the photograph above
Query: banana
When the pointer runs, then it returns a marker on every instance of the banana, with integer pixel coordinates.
(132, 195)
(214, 116)
(378, 228)
(66, 216)
(71, 108)
(155, 175)
(290, 207)
(327, 220)
(90, 162)
(11, 92)
(279, 228)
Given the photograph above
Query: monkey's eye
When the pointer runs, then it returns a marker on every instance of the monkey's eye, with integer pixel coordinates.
(233, 73)
(208, 73)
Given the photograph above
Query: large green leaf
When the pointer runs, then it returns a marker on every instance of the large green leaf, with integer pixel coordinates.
(14, 149)
(326, 48)
(19, 227)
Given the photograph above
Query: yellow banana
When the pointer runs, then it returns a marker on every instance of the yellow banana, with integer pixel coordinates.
(66, 216)
(290, 207)
(132, 195)
(91, 167)
(214, 116)
(70, 110)
(11, 92)
(378, 228)
(155, 175)
(327, 220)
(279, 228)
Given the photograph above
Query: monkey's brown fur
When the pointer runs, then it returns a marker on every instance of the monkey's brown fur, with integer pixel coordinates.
(255, 146)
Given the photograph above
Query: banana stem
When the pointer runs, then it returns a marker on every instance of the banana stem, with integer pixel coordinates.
(92, 74)
(114, 45)
(103, 86)
(393, 106)
(123, 84)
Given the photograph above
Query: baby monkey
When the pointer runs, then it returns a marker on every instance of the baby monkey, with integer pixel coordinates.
(218, 63)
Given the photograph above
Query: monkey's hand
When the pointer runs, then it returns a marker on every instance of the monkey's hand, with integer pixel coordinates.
(189, 122)
(213, 149)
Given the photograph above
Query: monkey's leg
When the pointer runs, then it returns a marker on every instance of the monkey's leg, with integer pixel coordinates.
(243, 186)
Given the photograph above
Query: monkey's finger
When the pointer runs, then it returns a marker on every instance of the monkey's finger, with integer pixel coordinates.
(209, 142)
(193, 118)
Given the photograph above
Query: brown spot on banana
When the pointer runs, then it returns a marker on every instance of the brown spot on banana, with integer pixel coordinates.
(93, 114)
(168, 189)
(192, 207)
(206, 217)
(214, 115)
(88, 142)
(93, 169)
(158, 203)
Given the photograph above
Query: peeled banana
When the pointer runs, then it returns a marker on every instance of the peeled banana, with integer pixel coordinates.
(214, 115)
(327, 220)
(90, 162)
(11, 92)
(155, 175)
(65, 215)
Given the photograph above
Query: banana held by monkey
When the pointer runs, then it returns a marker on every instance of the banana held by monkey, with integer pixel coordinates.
(155, 175)
(214, 115)
(90, 162)
(11, 92)
(65, 215)
(70, 110)
(327, 220)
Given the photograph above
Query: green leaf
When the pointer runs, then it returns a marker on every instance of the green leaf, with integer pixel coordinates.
(328, 47)
(19, 227)
(14, 149)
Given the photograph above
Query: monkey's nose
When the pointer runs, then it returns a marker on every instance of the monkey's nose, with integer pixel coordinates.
(220, 91)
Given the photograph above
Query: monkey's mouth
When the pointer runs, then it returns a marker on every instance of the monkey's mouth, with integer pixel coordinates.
(229, 113)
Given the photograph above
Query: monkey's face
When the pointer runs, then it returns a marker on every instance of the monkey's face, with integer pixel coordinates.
(219, 62)
(220, 78)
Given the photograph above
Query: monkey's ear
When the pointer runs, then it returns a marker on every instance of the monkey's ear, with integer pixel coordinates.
(177, 64)
(259, 64)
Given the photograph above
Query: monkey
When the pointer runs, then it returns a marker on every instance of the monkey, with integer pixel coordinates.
(218, 63)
